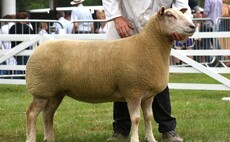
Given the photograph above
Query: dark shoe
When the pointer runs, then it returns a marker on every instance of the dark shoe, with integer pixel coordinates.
(171, 136)
(117, 137)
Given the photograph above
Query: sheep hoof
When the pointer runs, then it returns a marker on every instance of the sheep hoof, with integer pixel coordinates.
(147, 140)
(45, 140)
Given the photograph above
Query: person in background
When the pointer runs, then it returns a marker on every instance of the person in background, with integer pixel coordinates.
(64, 22)
(102, 28)
(81, 13)
(20, 28)
(225, 9)
(224, 26)
(68, 15)
(128, 18)
(6, 45)
(43, 27)
(70, 24)
(193, 4)
(212, 10)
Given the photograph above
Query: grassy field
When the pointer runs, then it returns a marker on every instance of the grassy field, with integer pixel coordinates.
(201, 116)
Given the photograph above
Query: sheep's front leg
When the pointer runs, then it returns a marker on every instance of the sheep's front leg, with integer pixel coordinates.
(36, 106)
(148, 116)
(134, 112)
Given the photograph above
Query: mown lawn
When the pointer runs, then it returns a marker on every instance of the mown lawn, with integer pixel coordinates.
(201, 116)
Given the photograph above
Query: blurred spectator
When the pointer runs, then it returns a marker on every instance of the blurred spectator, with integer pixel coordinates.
(102, 28)
(225, 26)
(213, 10)
(195, 8)
(64, 22)
(68, 18)
(193, 4)
(81, 13)
(225, 9)
(21, 28)
(6, 45)
(68, 15)
(43, 27)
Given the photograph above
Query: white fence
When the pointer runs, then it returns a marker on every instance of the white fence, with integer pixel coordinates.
(183, 55)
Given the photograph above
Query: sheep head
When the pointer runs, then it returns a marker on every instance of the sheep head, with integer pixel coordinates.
(174, 21)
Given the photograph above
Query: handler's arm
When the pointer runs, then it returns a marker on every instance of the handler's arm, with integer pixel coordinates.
(113, 12)
(112, 8)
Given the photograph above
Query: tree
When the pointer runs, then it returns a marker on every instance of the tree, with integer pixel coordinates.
(28, 4)
(36, 4)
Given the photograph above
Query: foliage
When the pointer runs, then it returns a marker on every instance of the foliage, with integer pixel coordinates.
(27, 4)
(201, 3)
(36, 4)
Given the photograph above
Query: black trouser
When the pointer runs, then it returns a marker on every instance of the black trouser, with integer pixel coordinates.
(161, 111)
(21, 60)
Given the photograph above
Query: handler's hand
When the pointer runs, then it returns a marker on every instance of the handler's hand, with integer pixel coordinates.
(123, 26)
(179, 37)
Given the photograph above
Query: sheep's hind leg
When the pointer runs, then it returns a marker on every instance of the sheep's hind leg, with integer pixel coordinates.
(36, 106)
(148, 115)
(48, 115)
(134, 112)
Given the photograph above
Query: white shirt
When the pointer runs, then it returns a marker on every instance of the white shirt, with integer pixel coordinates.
(81, 13)
(7, 44)
(5, 30)
(104, 29)
(65, 23)
(213, 10)
(42, 32)
(138, 12)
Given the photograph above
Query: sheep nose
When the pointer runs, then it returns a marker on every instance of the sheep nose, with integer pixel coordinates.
(192, 26)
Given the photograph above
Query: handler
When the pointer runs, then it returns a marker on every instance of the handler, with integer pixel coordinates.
(128, 17)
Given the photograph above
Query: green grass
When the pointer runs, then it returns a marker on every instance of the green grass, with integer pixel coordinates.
(201, 116)
(194, 78)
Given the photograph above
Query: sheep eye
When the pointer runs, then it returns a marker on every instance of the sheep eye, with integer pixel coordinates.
(169, 14)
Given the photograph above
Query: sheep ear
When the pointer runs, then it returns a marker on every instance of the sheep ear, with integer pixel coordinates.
(161, 11)
(183, 10)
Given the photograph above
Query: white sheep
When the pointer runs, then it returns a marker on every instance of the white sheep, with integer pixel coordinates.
(132, 69)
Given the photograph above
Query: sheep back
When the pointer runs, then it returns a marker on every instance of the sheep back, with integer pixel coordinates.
(101, 71)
